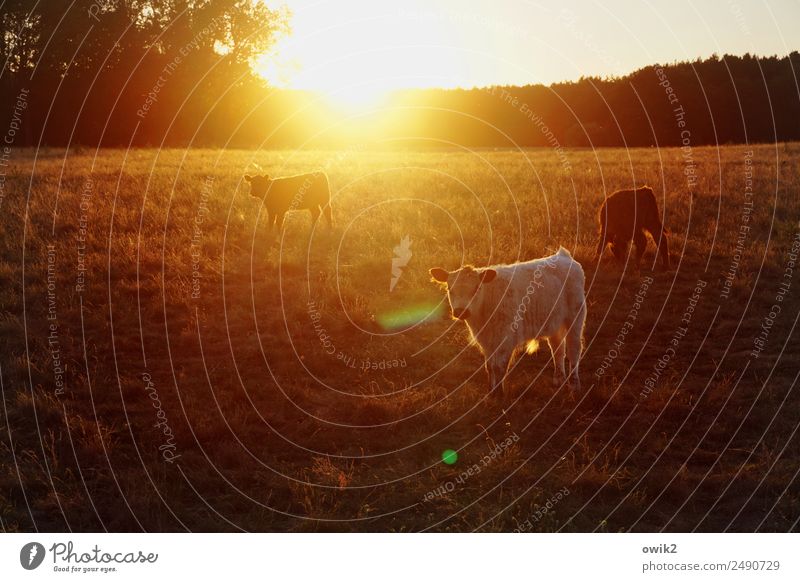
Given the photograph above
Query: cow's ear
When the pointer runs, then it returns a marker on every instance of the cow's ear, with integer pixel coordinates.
(439, 274)
(248, 178)
(266, 177)
(488, 276)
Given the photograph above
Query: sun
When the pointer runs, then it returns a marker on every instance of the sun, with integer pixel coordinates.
(350, 84)
(355, 57)
(357, 98)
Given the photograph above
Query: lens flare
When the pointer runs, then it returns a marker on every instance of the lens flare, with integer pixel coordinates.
(449, 457)
(409, 316)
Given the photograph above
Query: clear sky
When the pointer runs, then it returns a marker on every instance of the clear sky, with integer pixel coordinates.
(367, 47)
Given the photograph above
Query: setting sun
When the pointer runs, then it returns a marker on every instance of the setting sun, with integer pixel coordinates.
(356, 54)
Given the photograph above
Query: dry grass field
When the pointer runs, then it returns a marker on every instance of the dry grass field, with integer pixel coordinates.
(167, 365)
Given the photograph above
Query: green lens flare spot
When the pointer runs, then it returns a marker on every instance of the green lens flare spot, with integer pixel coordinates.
(409, 316)
(449, 457)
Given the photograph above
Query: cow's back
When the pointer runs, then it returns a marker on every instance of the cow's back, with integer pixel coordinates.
(627, 211)
(649, 216)
(302, 191)
(530, 299)
(565, 294)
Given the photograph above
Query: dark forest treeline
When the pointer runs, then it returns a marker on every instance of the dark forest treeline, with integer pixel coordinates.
(722, 100)
(174, 72)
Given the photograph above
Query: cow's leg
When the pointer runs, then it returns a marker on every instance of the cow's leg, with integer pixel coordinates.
(279, 221)
(556, 342)
(660, 238)
(575, 347)
(640, 242)
(328, 212)
(601, 246)
(620, 249)
(497, 366)
(314, 215)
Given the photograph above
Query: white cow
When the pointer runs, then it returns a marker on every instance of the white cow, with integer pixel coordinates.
(508, 308)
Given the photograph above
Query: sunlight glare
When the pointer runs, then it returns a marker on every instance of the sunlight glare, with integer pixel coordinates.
(357, 60)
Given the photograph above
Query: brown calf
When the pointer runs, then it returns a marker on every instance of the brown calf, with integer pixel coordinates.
(302, 192)
(624, 217)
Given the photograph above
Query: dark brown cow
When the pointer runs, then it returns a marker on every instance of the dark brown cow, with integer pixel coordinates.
(624, 217)
(302, 192)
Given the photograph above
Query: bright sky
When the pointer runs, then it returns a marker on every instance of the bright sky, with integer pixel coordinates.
(366, 47)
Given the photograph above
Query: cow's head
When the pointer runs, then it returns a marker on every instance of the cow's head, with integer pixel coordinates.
(258, 185)
(463, 287)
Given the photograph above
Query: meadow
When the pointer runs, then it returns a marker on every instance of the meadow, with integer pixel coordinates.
(168, 365)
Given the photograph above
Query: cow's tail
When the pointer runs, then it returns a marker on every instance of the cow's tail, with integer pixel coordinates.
(576, 284)
(602, 222)
(323, 187)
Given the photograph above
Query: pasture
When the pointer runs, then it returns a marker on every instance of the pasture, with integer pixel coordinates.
(169, 366)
